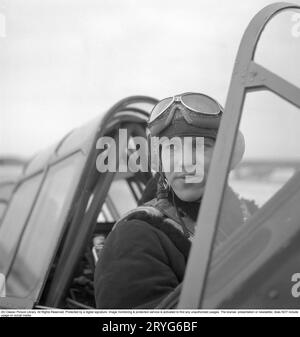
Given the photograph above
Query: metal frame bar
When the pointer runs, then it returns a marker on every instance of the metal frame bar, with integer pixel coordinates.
(81, 226)
(247, 76)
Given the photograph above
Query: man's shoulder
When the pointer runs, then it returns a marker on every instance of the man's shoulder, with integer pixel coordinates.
(144, 216)
(134, 226)
(141, 230)
(141, 227)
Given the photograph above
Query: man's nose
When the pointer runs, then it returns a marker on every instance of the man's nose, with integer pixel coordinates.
(176, 110)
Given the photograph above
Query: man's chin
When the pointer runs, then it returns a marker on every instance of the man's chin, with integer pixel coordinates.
(189, 195)
(199, 180)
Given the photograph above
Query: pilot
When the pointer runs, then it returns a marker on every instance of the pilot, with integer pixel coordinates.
(145, 255)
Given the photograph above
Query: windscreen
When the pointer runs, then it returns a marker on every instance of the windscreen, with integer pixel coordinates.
(259, 212)
(40, 239)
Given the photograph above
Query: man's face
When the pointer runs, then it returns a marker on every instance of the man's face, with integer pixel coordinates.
(186, 169)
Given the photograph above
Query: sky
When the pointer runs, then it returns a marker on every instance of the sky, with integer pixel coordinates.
(65, 62)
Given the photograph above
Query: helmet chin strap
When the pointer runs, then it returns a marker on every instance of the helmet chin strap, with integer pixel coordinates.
(163, 187)
(184, 228)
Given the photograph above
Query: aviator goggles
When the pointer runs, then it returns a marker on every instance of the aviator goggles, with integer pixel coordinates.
(199, 109)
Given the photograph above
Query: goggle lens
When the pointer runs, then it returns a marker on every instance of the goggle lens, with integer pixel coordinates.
(161, 107)
(195, 102)
(201, 103)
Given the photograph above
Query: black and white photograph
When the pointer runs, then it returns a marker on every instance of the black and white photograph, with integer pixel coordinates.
(149, 159)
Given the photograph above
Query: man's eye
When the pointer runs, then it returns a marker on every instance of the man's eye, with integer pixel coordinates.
(209, 143)
(209, 148)
(172, 148)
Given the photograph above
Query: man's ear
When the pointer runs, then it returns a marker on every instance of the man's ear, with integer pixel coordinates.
(238, 151)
